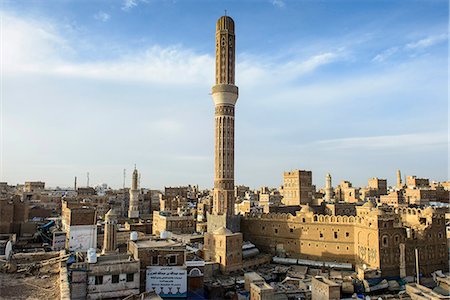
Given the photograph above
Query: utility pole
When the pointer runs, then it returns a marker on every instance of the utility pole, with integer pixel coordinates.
(139, 180)
(87, 177)
(124, 176)
(417, 266)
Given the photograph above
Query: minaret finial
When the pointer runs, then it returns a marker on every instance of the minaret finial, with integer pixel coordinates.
(225, 12)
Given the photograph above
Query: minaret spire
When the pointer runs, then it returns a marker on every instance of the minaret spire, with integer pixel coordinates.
(133, 210)
(223, 240)
(225, 95)
(328, 188)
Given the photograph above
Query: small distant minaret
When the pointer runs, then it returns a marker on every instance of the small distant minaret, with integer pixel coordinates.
(110, 238)
(133, 210)
(399, 179)
(328, 188)
(75, 184)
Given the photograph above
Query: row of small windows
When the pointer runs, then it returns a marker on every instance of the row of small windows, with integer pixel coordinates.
(325, 246)
(115, 278)
(291, 230)
(171, 260)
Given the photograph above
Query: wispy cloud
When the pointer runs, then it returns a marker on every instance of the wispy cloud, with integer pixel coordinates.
(415, 46)
(254, 70)
(162, 65)
(278, 3)
(427, 42)
(102, 16)
(405, 141)
(129, 4)
(161, 94)
(385, 54)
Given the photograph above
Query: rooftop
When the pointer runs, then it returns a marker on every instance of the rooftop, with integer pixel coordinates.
(157, 243)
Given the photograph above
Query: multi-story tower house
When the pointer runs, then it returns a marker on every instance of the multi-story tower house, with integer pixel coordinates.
(223, 224)
(133, 210)
(297, 187)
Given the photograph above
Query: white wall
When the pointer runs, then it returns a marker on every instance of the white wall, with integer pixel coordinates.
(82, 237)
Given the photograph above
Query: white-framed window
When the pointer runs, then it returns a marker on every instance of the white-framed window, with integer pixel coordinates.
(172, 259)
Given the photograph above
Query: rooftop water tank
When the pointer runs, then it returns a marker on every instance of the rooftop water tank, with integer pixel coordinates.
(164, 235)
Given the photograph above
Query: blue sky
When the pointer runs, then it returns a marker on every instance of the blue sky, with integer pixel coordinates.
(354, 88)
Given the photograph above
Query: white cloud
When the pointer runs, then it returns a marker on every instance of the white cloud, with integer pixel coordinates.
(426, 42)
(29, 43)
(416, 46)
(278, 3)
(251, 71)
(102, 16)
(385, 54)
(170, 115)
(52, 55)
(129, 4)
(402, 141)
(168, 65)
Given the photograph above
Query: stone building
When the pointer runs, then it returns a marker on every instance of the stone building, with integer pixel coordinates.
(165, 221)
(419, 196)
(157, 253)
(113, 276)
(394, 198)
(372, 237)
(325, 289)
(33, 186)
(297, 187)
(225, 248)
(14, 213)
(414, 182)
(346, 192)
(378, 185)
(79, 223)
(261, 291)
(108, 276)
(172, 192)
(340, 209)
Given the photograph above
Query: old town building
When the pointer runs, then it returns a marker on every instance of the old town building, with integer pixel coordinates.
(297, 187)
(373, 237)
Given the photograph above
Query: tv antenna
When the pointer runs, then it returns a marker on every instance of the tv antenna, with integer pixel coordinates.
(124, 176)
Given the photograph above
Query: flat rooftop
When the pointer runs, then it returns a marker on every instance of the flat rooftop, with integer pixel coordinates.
(114, 258)
(157, 243)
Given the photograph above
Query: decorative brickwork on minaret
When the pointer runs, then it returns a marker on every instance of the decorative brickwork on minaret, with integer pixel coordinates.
(225, 95)
(223, 224)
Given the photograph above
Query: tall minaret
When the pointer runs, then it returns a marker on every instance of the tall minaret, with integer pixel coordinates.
(399, 179)
(223, 241)
(328, 188)
(225, 95)
(133, 210)
(110, 234)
